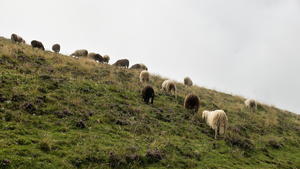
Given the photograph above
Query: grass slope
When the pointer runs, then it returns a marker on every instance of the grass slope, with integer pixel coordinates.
(58, 111)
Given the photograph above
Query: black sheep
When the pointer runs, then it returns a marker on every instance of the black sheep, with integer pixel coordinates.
(148, 94)
(98, 57)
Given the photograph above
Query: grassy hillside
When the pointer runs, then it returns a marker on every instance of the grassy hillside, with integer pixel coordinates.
(58, 111)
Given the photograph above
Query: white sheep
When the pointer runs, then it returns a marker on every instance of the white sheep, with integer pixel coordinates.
(251, 104)
(79, 53)
(144, 76)
(187, 82)
(216, 120)
(143, 66)
(169, 86)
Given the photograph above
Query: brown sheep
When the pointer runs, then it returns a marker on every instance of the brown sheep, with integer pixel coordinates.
(16, 39)
(37, 44)
(192, 101)
(56, 48)
(122, 62)
(148, 94)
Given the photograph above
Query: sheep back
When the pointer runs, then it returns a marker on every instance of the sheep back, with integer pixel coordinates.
(56, 48)
(148, 94)
(37, 44)
(144, 76)
(192, 101)
(136, 66)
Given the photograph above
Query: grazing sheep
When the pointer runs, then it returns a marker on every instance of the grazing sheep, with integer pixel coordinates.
(192, 101)
(188, 82)
(148, 94)
(37, 44)
(106, 59)
(251, 104)
(144, 76)
(95, 57)
(91, 55)
(16, 39)
(56, 48)
(122, 62)
(139, 66)
(136, 66)
(143, 66)
(98, 58)
(216, 120)
(79, 53)
(169, 86)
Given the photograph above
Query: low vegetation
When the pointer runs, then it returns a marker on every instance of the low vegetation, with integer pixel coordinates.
(59, 111)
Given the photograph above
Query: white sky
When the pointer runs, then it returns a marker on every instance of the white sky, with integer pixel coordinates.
(247, 48)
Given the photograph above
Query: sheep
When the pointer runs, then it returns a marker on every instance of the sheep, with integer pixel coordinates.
(143, 66)
(192, 101)
(106, 59)
(56, 48)
(95, 57)
(122, 62)
(216, 120)
(188, 82)
(139, 66)
(16, 39)
(136, 66)
(148, 94)
(251, 104)
(144, 76)
(80, 52)
(169, 86)
(98, 58)
(37, 44)
(91, 55)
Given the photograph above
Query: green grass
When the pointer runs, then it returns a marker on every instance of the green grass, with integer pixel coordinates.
(61, 112)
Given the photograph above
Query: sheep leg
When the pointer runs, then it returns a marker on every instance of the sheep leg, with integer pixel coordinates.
(216, 132)
(152, 99)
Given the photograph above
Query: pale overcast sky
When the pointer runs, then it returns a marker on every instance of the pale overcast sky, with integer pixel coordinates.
(242, 47)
